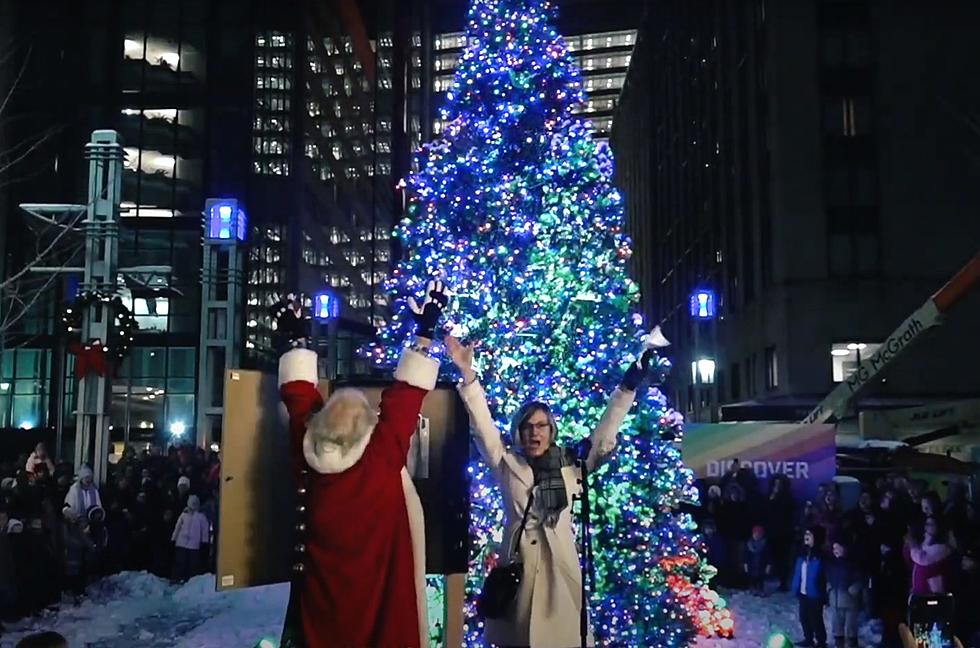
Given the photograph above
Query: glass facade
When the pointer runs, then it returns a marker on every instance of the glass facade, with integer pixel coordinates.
(603, 57)
(153, 394)
(24, 388)
(273, 103)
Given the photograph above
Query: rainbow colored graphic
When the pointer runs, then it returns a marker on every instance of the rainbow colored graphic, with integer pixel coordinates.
(804, 453)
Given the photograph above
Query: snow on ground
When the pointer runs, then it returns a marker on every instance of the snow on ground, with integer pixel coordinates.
(758, 618)
(138, 609)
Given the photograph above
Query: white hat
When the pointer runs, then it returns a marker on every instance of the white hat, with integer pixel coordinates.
(8, 483)
(15, 526)
(184, 481)
(84, 472)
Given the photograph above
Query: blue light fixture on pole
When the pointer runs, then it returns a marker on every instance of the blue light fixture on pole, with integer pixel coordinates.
(704, 314)
(222, 315)
(326, 311)
(704, 304)
(225, 220)
(326, 306)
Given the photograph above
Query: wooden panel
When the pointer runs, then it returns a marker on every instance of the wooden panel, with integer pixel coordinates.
(257, 512)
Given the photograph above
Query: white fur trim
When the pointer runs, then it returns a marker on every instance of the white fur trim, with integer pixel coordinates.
(326, 457)
(416, 526)
(417, 370)
(298, 364)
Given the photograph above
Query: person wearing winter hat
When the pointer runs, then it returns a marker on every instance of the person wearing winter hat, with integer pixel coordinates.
(758, 560)
(360, 570)
(83, 494)
(183, 491)
(191, 531)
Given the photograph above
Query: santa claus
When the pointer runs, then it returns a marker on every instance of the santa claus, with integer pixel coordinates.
(360, 572)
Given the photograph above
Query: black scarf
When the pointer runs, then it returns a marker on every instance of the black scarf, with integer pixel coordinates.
(551, 495)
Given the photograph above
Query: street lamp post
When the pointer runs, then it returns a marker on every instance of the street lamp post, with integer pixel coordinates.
(703, 310)
(221, 305)
(326, 311)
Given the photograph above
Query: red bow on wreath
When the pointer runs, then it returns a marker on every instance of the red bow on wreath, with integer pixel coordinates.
(90, 357)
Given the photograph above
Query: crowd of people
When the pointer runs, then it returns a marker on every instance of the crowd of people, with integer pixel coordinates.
(900, 539)
(59, 531)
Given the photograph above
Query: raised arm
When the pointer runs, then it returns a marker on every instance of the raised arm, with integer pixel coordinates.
(298, 390)
(605, 435)
(416, 376)
(402, 402)
(485, 431)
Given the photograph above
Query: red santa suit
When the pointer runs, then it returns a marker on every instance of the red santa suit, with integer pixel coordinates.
(363, 585)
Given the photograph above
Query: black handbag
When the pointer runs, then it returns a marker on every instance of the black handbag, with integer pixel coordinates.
(503, 582)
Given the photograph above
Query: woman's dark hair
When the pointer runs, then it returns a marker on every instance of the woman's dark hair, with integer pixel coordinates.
(818, 535)
(527, 411)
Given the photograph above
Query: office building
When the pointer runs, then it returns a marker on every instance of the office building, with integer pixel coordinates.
(810, 163)
(305, 112)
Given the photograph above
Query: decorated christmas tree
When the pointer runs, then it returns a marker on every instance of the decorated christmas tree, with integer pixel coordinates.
(515, 207)
(654, 575)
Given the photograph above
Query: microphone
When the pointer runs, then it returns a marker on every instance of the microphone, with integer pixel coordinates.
(579, 451)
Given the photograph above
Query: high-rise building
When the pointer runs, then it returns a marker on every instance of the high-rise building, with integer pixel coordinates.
(305, 111)
(809, 163)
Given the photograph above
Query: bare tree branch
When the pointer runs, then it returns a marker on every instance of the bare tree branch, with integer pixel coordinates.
(39, 258)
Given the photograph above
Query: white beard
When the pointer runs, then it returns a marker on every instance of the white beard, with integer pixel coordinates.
(327, 456)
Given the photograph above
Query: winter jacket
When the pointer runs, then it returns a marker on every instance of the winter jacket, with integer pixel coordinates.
(546, 609)
(933, 567)
(815, 577)
(192, 530)
(78, 547)
(80, 499)
(845, 584)
(758, 557)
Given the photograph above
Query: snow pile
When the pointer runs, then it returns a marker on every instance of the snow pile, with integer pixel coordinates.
(139, 609)
(136, 608)
(758, 618)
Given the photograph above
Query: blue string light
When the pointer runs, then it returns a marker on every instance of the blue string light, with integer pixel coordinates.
(515, 207)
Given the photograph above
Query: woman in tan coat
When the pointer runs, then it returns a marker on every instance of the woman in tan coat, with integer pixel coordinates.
(547, 606)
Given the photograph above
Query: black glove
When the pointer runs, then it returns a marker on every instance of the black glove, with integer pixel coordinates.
(639, 371)
(428, 313)
(292, 321)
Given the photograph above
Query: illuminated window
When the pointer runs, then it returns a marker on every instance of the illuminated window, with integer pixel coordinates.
(848, 356)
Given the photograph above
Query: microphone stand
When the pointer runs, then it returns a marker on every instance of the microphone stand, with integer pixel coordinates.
(588, 575)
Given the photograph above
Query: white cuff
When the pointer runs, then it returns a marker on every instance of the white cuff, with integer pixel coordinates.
(418, 370)
(298, 364)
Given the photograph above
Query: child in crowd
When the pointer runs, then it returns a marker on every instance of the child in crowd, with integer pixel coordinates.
(191, 531)
(78, 552)
(758, 560)
(809, 586)
(717, 551)
(846, 584)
